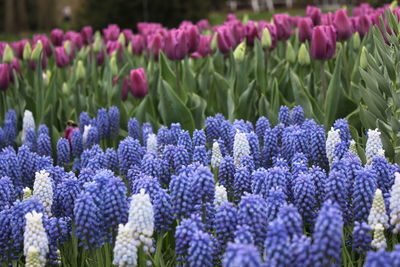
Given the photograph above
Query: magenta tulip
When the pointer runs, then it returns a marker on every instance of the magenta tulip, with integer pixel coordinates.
(327, 19)
(251, 33)
(283, 26)
(126, 85)
(193, 38)
(272, 31)
(56, 37)
(111, 33)
(176, 45)
(87, 34)
(137, 44)
(342, 24)
(203, 25)
(45, 42)
(204, 48)
(315, 14)
(363, 23)
(225, 39)
(15, 66)
(127, 34)
(114, 46)
(139, 86)
(362, 9)
(155, 43)
(4, 77)
(323, 42)
(305, 26)
(18, 47)
(61, 57)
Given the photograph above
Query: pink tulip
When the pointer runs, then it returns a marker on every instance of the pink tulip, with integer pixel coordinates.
(283, 26)
(56, 37)
(4, 77)
(305, 29)
(155, 43)
(61, 57)
(87, 34)
(323, 42)
(137, 44)
(315, 14)
(342, 24)
(139, 86)
(111, 33)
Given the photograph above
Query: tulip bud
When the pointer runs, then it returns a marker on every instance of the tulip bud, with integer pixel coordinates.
(303, 56)
(113, 65)
(363, 58)
(130, 48)
(393, 5)
(8, 54)
(80, 70)
(121, 39)
(289, 54)
(266, 40)
(97, 44)
(356, 41)
(27, 51)
(139, 85)
(67, 47)
(239, 52)
(214, 42)
(48, 77)
(37, 51)
(245, 18)
(65, 89)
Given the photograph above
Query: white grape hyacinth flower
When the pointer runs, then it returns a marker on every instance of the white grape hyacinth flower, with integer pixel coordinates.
(220, 195)
(377, 214)
(241, 147)
(379, 240)
(152, 144)
(353, 147)
(27, 193)
(35, 236)
(395, 204)
(374, 145)
(141, 219)
(43, 190)
(32, 258)
(126, 247)
(216, 155)
(331, 141)
(86, 133)
(28, 123)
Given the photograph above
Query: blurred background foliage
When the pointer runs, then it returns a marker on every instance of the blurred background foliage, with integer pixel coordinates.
(22, 18)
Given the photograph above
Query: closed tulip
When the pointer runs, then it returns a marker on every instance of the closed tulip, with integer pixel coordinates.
(137, 43)
(111, 33)
(87, 34)
(126, 85)
(305, 26)
(139, 86)
(225, 39)
(45, 43)
(323, 42)
(155, 44)
(251, 33)
(176, 45)
(18, 48)
(363, 23)
(283, 26)
(204, 47)
(56, 37)
(342, 24)
(61, 57)
(327, 19)
(8, 54)
(315, 14)
(4, 76)
(193, 38)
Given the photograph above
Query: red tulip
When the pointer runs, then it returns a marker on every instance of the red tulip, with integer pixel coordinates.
(323, 42)
(139, 86)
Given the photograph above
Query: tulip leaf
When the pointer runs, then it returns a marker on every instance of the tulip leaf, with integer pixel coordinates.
(197, 106)
(260, 71)
(172, 109)
(245, 108)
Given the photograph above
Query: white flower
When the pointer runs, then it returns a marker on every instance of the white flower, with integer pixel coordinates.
(377, 214)
(220, 195)
(241, 147)
(33, 258)
(216, 156)
(395, 204)
(35, 236)
(374, 145)
(379, 240)
(126, 247)
(85, 133)
(152, 143)
(43, 190)
(28, 123)
(353, 147)
(331, 141)
(141, 218)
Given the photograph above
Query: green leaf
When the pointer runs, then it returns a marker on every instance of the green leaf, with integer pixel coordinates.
(172, 109)
(197, 106)
(247, 102)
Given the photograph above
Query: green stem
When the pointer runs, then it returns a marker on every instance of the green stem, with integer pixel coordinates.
(324, 82)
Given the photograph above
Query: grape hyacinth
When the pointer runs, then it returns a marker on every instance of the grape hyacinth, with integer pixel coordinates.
(379, 240)
(361, 237)
(241, 255)
(377, 214)
(35, 236)
(216, 156)
(395, 204)
(43, 190)
(126, 247)
(374, 145)
(241, 147)
(332, 140)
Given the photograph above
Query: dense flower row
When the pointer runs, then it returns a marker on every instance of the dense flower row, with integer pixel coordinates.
(194, 40)
(237, 194)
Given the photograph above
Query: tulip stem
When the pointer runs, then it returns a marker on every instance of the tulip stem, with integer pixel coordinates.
(324, 83)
